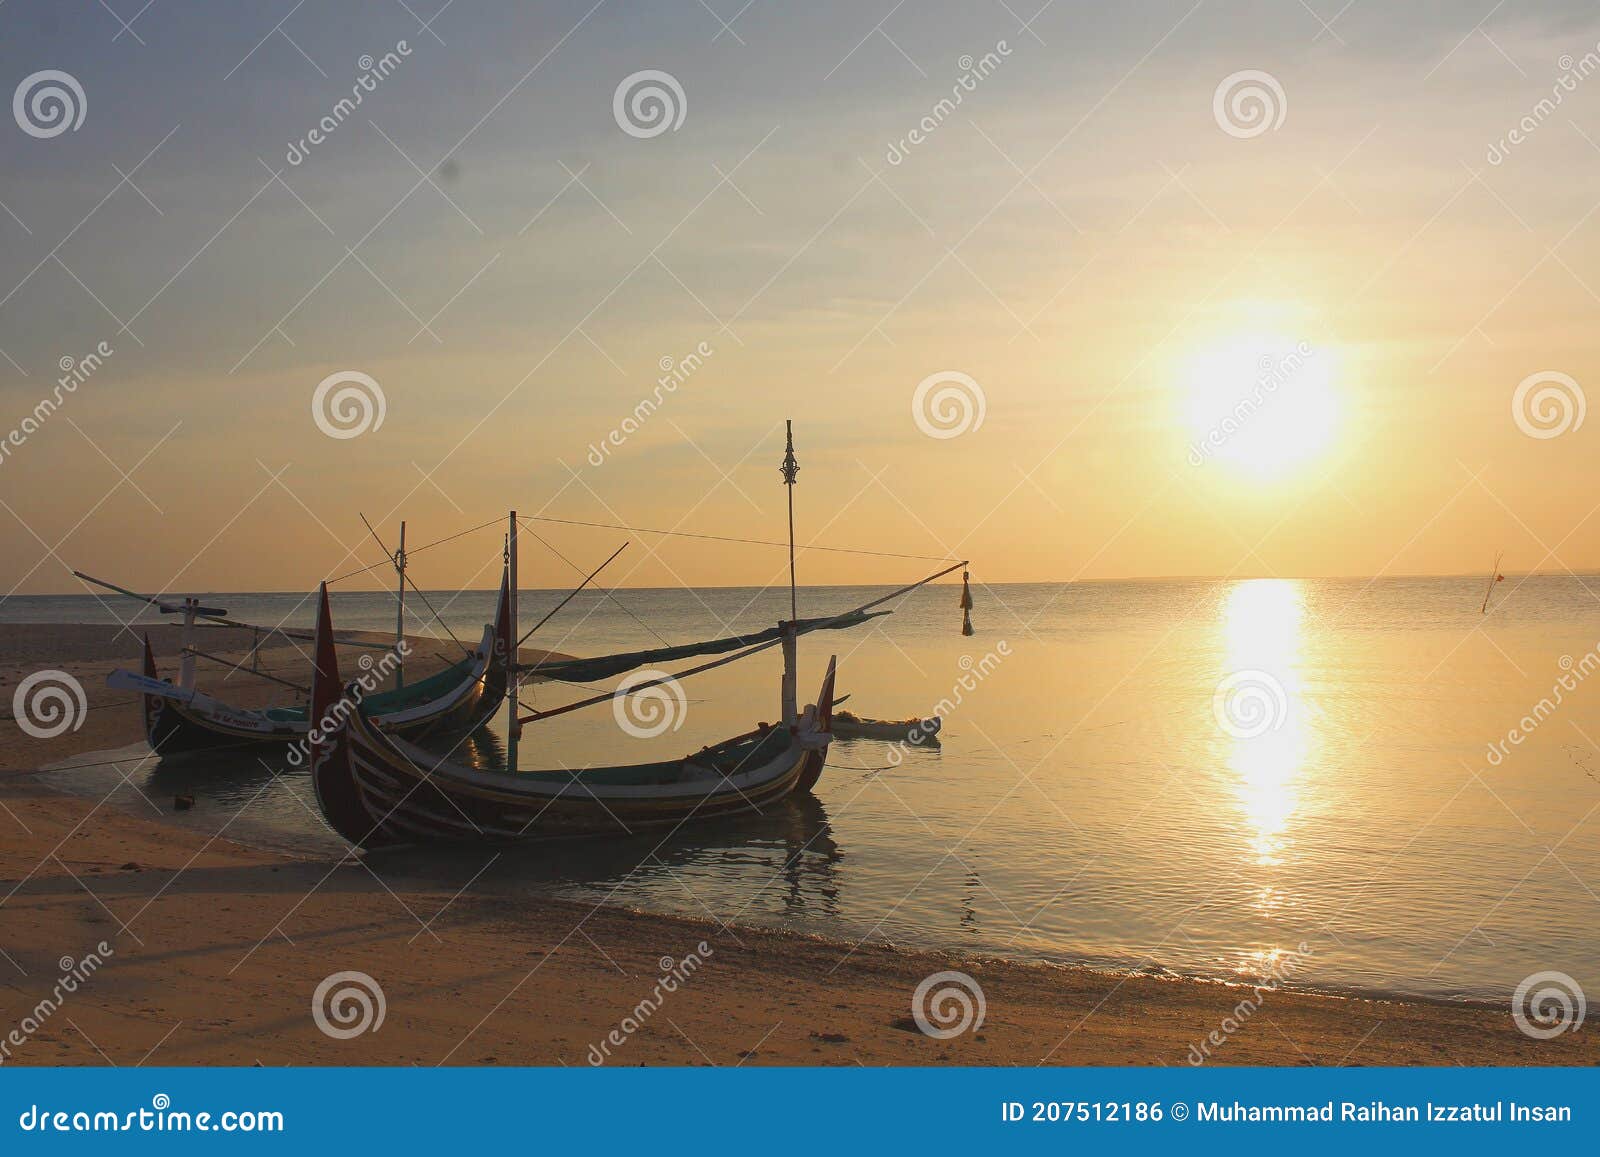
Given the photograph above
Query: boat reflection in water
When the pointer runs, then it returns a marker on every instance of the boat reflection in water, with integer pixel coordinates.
(786, 854)
(792, 842)
(780, 862)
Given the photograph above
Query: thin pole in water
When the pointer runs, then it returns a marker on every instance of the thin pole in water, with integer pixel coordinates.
(1494, 577)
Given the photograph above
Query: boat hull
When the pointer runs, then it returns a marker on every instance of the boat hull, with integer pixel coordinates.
(404, 796)
(175, 728)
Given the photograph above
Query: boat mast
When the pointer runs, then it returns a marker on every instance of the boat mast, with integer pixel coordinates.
(191, 607)
(400, 610)
(513, 723)
(790, 471)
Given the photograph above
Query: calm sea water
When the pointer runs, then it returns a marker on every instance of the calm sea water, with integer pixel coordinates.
(1192, 776)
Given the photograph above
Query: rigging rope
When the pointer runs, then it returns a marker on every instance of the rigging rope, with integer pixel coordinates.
(465, 649)
(602, 590)
(727, 538)
(416, 550)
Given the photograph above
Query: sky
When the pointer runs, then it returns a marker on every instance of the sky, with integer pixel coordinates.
(1183, 288)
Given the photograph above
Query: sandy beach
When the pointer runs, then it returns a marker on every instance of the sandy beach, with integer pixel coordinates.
(214, 951)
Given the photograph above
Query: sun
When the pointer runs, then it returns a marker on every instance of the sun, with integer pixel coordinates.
(1261, 403)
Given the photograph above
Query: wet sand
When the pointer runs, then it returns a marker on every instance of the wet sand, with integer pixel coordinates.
(215, 951)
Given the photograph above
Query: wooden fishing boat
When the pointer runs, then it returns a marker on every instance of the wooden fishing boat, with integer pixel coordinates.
(377, 789)
(849, 725)
(178, 718)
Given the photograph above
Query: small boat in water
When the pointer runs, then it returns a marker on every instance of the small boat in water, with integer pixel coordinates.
(849, 725)
(180, 718)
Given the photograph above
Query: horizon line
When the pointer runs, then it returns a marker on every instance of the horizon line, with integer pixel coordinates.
(1175, 578)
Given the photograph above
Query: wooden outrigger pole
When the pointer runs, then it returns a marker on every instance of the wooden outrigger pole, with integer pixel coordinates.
(400, 610)
(513, 723)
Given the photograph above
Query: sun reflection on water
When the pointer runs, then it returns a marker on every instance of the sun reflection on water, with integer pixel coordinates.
(1262, 634)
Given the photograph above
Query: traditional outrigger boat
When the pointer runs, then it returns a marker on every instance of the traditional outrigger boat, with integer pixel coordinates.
(378, 789)
(179, 718)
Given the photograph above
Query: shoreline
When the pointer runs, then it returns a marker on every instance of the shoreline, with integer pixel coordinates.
(1110, 971)
(217, 950)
